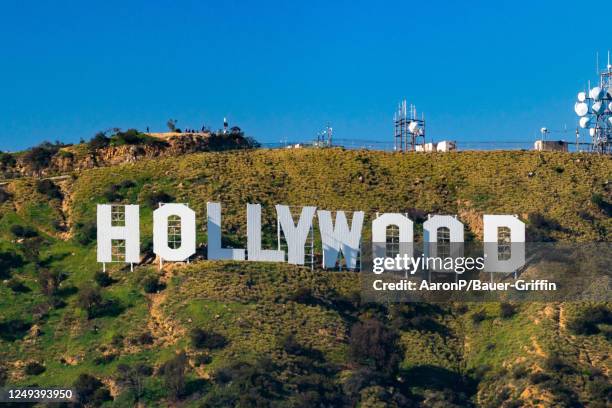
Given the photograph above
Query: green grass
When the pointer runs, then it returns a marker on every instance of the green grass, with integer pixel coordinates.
(250, 303)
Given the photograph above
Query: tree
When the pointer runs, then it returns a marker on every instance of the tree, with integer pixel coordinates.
(133, 378)
(90, 390)
(48, 188)
(49, 281)
(171, 124)
(99, 141)
(40, 156)
(90, 300)
(202, 339)
(86, 233)
(372, 344)
(173, 372)
(103, 279)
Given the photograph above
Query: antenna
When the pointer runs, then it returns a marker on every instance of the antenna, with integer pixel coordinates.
(595, 110)
(597, 62)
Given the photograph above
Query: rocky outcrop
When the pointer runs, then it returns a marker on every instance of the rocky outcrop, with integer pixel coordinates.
(79, 157)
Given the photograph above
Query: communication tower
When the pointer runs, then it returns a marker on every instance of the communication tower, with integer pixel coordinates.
(594, 107)
(324, 137)
(409, 130)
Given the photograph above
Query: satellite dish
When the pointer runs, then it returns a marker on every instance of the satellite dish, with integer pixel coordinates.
(610, 120)
(592, 132)
(610, 106)
(581, 96)
(413, 126)
(584, 122)
(598, 107)
(581, 108)
(596, 93)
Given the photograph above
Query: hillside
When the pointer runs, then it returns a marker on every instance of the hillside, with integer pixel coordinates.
(275, 334)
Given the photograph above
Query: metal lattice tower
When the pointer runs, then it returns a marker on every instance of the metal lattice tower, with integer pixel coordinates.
(324, 137)
(594, 107)
(409, 130)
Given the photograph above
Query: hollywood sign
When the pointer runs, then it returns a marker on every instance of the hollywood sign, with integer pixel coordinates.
(336, 236)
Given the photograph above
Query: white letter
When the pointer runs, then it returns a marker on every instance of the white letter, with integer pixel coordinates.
(430, 238)
(160, 232)
(215, 252)
(255, 252)
(379, 234)
(496, 260)
(295, 236)
(130, 233)
(339, 238)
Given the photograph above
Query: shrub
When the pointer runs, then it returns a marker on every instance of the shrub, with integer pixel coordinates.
(506, 310)
(86, 233)
(538, 220)
(112, 195)
(173, 373)
(34, 368)
(39, 157)
(17, 286)
(150, 284)
(100, 396)
(117, 340)
(461, 308)
(15, 329)
(290, 345)
(372, 344)
(126, 184)
(602, 203)
(145, 338)
(554, 363)
(538, 378)
(49, 281)
(104, 359)
(133, 377)
(20, 231)
(90, 300)
(86, 387)
(4, 196)
(304, 296)
(519, 372)
(153, 199)
(599, 390)
(249, 385)
(48, 188)
(203, 359)
(586, 323)
(99, 141)
(3, 376)
(103, 279)
(201, 339)
(65, 154)
(7, 160)
(479, 316)
(9, 260)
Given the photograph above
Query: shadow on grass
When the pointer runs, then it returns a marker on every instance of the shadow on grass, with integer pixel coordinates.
(438, 378)
(109, 308)
(15, 329)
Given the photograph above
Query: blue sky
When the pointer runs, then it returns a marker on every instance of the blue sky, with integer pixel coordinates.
(480, 70)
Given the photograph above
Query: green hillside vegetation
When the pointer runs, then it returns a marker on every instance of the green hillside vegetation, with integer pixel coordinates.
(241, 334)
